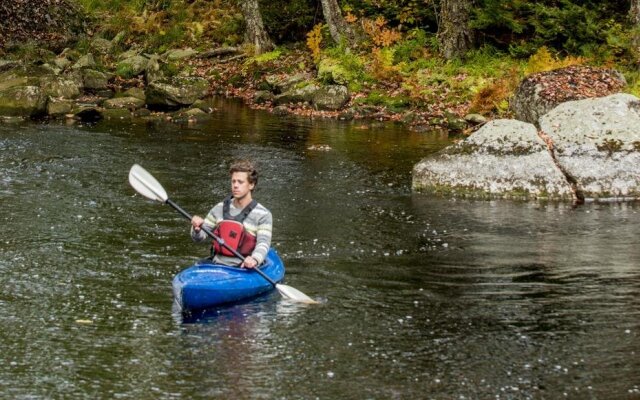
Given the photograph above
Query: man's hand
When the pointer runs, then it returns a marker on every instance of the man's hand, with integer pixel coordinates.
(196, 222)
(249, 262)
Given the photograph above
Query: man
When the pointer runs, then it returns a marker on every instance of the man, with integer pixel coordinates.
(243, 223)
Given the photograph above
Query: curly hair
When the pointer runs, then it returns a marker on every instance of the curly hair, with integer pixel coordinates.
(245, 166)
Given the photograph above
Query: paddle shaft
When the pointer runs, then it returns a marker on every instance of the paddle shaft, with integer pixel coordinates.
(219, 240)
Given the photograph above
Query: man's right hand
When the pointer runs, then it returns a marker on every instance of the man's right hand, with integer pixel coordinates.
(196, 222)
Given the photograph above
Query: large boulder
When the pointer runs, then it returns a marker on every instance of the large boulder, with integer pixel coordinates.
(20, 93)
(60, 86)
(597, 144)
(539, 93)
(331, 97)
(176, 91)
(304, 94)
(504, 158)
(95, 80)
(132, 66)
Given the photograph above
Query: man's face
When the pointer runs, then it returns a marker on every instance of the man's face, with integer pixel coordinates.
(240, 185)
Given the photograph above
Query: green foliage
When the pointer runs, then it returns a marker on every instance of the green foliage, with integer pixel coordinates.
(412, 48)
(381, 99)
(521, 27)
(405, 14)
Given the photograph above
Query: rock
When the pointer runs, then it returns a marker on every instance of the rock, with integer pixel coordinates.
(128, 54)
(132, 66)
(539, 93)
(59, 86)
(94, 80)
(179, 54)
(57, 107)
(61, 62)
(280, 84)
(22, 100)
(138, 93)
(454, 123)
(6, 65)
(116, 113)
(176, 91)
(280, 110)
(504, 158)
(331, 97)
(20, 93)
(101, 45)
(597, 143)
(304, 94)
(475, 119)
(142, 112)
(86, 61)
(262, 97)
(153, 72)
(118, 38)
(130, 103)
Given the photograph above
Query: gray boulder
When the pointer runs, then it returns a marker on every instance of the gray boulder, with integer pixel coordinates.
(95, 80)
(179, 54)
(57, 107)
(504, 158)
(303, 94)
(132, 66)
(86, 61)
(331, 97)
(20, 93)
(597, 143)
(60, 86)
(130, 103)
(176, 91)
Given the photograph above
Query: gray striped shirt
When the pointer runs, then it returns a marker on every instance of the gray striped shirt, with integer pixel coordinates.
(258, 223)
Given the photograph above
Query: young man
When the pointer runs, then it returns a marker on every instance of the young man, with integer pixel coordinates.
(239, 220)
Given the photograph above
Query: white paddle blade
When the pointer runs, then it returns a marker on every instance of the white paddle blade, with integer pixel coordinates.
(294, 294)
(145, 184)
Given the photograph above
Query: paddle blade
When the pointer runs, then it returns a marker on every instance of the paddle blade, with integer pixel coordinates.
(294, 294)
(145, 184)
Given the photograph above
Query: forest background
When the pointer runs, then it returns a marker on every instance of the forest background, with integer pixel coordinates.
(444, 56)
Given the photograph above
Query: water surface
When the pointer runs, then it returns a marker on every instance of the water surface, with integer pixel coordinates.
(424, 297)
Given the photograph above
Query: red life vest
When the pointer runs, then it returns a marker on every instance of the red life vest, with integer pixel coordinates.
(232, 231)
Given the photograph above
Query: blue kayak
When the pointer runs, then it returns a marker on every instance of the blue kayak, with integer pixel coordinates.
(205, 285)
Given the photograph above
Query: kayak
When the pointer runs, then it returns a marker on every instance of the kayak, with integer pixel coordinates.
(205, 285)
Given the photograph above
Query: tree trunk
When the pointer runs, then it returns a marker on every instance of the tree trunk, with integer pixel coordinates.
(634, 16)
(634, 13)
(338, 27)
(255, 33)
(454, 34)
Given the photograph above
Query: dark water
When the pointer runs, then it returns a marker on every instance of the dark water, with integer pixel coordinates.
(425, 297)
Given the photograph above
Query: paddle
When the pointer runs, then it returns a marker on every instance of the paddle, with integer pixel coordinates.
(145, 184)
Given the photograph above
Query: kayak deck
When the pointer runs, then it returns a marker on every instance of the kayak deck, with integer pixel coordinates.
(205, 285)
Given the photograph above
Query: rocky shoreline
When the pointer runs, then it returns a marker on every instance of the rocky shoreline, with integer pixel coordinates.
(572, 139)
(585, 150)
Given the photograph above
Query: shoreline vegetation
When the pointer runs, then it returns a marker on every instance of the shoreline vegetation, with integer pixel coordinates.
(385, 66)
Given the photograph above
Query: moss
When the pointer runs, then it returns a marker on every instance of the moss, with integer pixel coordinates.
(610, 146)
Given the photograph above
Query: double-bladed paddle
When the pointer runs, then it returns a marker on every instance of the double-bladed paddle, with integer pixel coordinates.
(145, 184)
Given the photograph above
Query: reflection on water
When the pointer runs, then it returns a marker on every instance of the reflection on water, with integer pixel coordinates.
(425, 297)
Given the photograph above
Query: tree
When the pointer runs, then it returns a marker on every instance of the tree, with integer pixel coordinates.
(454, 32)
(255, 33)
(338, 27)
(634, 15)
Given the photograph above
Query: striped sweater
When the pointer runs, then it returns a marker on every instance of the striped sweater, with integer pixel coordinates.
(258, 223)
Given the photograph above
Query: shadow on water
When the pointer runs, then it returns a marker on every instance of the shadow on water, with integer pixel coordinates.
(428, 297)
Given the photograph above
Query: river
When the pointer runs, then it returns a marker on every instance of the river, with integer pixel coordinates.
(423, 297)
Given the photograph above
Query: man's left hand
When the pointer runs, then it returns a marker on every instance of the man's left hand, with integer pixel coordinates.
(249, 262)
